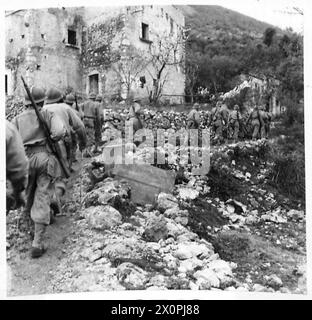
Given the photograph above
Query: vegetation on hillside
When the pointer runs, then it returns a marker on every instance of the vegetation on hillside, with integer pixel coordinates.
(223, 44)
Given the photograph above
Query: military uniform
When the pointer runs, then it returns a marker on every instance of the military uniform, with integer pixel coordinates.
(219, 118)
(256, 122)
(16, 164)
(134, 117)
(73, 124)
(44, 167)
(193, 118)
(70, 100)
(92, 120)
(233, 123)
(265, 128)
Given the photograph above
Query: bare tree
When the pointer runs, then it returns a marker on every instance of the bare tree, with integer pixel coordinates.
(129, 67)
(165, 51)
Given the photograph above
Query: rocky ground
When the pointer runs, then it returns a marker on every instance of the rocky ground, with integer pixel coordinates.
(229, 230)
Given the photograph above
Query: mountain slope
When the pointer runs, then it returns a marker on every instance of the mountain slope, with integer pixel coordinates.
(208, 21)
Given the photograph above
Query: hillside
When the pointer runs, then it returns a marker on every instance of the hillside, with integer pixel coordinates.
(212, 21)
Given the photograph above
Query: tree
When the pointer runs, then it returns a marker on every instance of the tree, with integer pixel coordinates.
(165, 51)
(191, 74)
(129, 66)
(268, 36)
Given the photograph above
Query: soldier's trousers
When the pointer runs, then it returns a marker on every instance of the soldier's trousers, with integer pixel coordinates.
(43, 168)
(234, 126)
(255, 129)
(73, 146)
(218, 129)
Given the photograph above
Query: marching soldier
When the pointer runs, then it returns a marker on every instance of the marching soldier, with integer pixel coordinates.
(135, 115)
(70, 100)
(234, 122)
(44, 168)
(193, 118)
(74, 126)
(267, 117)
(256, 122)
(218, 119)
(16, 167)
(92, 121)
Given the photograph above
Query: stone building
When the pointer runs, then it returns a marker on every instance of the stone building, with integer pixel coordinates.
(87, 49)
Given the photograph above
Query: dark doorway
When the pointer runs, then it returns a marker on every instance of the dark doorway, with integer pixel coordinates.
(72, 37)
(94, 83)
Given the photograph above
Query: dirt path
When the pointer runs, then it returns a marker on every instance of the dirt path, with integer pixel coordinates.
(31, 276)
(27, 276)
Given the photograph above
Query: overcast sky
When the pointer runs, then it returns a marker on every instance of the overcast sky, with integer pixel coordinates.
(271, 11)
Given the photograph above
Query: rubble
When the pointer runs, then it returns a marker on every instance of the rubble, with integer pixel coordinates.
(178, 243)
(102, 217)
(156, 229)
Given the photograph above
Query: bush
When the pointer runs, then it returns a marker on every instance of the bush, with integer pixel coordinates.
(293, 115)
(288, 173)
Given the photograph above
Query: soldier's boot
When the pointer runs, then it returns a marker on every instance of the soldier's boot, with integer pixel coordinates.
(56, 204)
(38, 248)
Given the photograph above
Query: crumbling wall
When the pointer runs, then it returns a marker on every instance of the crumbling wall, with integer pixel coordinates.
(37, 42)
(159, 20)
(102, 38)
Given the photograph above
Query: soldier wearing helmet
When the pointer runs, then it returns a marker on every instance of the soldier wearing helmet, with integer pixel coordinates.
(265, 116)
(193, 118)
(44, 167)
(256, 122)
(71, 120)
(93, 119)
(234, 122)
(135, 115)
(218, 119)
(16, 167)
(71, 101)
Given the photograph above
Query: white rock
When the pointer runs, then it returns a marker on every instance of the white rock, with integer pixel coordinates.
(259, 288)
(221, 268)
(230, 208)
(295, 214)
(193, 286)
(131, 276)
(188, 193)
(166, 201)
(273, 281)
(242, 289)
(102, 217)
(206, 279)
(189, 250)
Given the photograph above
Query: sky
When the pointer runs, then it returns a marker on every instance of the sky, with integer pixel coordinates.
(271, 11)
(276, 12)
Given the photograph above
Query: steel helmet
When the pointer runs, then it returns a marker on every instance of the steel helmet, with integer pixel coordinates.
(98, 98)
(70, 98)
(196, 105)
(37, 93)
(53, 95)
(92, 95)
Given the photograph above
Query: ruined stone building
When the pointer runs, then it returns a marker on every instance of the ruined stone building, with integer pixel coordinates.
(87, 49)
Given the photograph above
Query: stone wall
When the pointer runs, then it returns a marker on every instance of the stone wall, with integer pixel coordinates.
(159, 20)
(37, 48)
(101, 48)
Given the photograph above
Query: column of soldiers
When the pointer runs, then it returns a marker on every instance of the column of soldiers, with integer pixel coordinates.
(227, 124)
(35, 173)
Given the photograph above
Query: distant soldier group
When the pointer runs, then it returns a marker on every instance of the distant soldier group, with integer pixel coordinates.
(227, 124)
